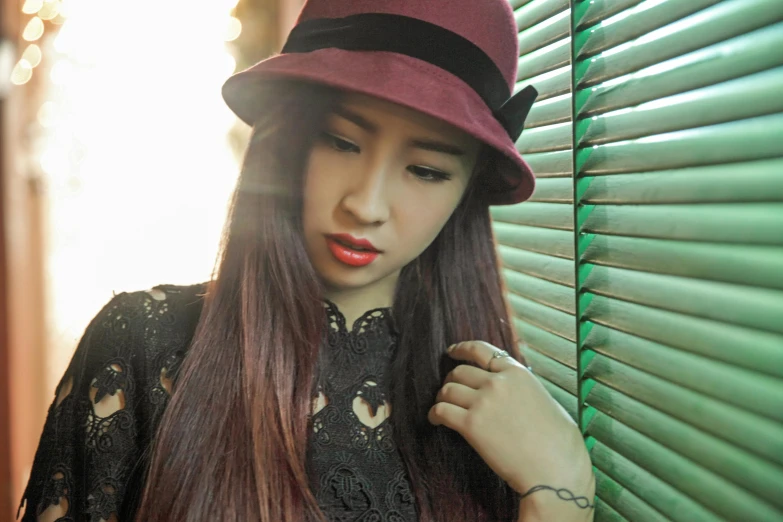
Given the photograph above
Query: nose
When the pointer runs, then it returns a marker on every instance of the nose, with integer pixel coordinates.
(367, 197)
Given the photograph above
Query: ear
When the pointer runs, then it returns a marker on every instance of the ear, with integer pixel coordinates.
(513, 113)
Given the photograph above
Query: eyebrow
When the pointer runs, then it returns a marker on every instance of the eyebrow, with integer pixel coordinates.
(424, 144)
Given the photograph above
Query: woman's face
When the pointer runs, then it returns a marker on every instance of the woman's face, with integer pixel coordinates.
(387, 175)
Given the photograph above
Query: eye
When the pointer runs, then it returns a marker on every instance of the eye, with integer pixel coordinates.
(429, 175)
(338, 143)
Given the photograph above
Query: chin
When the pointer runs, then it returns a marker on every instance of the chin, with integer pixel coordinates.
(347, 279)
(337, 276)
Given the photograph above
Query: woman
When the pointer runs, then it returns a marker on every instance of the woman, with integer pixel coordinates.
(358, 272)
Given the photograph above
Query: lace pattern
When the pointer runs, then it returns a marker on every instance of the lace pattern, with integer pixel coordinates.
(94, 447)
(108, 405)
(359, 472)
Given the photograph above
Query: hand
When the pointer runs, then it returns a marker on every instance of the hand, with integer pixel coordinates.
(512, 422)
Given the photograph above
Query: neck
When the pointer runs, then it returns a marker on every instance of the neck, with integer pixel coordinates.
(353, 302)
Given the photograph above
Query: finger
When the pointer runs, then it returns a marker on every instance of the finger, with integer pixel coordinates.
(457, 394)
(467, 375)
(481, 352)
(449, 415)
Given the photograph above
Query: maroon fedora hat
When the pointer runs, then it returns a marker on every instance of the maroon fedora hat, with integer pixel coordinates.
(455, 60)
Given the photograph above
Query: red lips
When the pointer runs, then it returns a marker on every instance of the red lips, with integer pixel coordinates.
(352, 251)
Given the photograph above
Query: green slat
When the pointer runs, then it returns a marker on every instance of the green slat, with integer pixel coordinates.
(546, 59)
(542, 266)
(693, 480)
(550, 164)
(746, 97)
(753, 181)
(546, 318)
(759, 308)
(548, 112)
(538, 11)
(556, 243)
(545, 33)
(641, 483)
(606, 513)
(626, 503)
(726, 382)
(744, 470)
(555, 190)
(546, 139)
(553, 295)
(725, 20)
(554, 347)
(567, 401)
(553, 371)
(754, 350)
(749, 265)
(516, 4)
(756, 434)
(740, 56)
(547, 215)
(548, 85)
(589, 12)
(633, 23)
(744, 140)
(756, 223)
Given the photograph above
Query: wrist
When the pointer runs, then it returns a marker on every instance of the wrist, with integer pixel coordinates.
(567, 501)
(547, 503)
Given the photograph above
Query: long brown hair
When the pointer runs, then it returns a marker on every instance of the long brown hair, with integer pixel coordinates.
(232, 442)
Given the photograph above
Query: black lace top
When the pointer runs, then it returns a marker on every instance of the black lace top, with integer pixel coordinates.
(93, 453)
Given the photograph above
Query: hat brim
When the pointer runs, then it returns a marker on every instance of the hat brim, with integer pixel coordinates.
(399, 79)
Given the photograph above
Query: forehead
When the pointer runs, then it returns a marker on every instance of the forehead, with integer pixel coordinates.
(384, 113)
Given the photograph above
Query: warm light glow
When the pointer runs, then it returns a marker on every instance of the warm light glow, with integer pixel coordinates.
(47, 114)
(32, 6)
(62, 72)
(234, 29)
(32, 54)
(22, 72)
(66, 7)
(50, 9)
(135, 154)
(33, 30)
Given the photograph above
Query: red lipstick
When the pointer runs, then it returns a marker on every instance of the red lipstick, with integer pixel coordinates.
(350, 250)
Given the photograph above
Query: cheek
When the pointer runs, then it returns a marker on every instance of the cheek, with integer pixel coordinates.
(422, 219)
(316, 190)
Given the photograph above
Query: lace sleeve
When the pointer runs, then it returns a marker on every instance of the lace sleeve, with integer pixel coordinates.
(88, 450)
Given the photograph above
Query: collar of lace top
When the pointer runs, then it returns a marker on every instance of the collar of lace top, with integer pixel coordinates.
(376, 321)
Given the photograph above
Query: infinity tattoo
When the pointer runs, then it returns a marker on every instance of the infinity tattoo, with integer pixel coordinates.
(563, 494)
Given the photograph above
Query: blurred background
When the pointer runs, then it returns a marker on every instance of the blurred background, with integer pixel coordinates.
(118, 159)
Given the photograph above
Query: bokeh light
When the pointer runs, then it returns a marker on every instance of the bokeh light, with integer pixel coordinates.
(32, 6)
(22, 72)
(32, 54)
(49, 10)
(48, 114)
(234, 29)
(33, 30)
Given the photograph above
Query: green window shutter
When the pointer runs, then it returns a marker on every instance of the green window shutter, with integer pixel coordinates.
(651, 304)
(536, 239)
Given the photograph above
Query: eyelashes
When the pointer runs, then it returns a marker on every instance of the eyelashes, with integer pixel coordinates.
(345, 146)
(338, 144)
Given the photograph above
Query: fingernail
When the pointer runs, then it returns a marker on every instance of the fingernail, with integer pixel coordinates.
(451, 347)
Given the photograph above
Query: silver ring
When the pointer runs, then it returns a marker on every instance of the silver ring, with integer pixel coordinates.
(497, 355)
